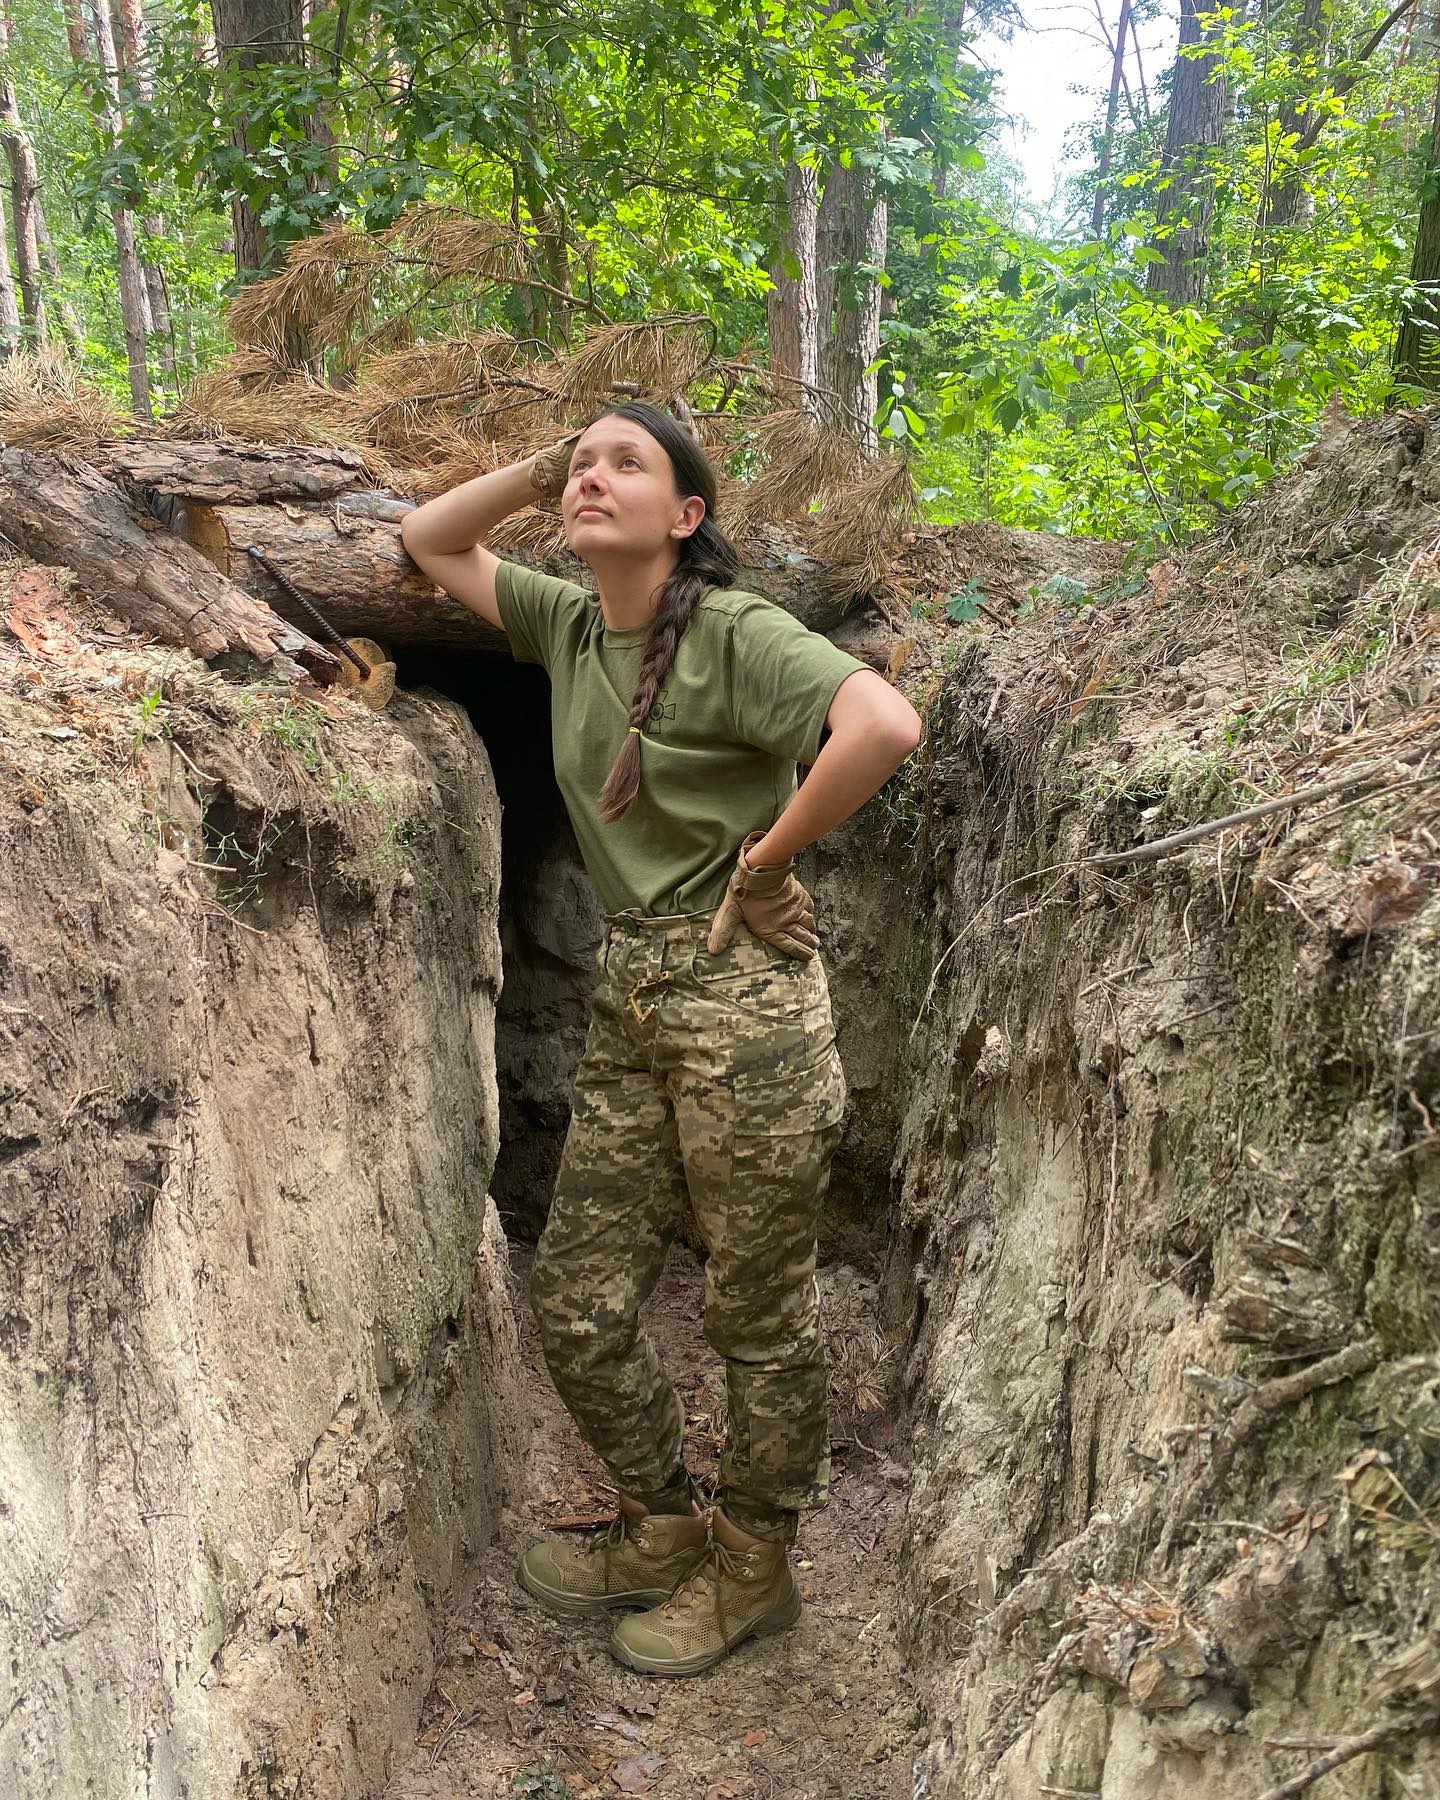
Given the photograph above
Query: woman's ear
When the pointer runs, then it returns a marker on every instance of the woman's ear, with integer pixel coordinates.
(689, 517)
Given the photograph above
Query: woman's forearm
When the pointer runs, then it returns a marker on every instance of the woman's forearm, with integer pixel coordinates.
(466, 515)
(861, 755)
(873, 728)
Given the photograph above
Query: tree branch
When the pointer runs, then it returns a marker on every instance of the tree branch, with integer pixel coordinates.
(1389, 1731)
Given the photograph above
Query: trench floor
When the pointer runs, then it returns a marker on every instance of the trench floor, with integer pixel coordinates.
(528, 1705)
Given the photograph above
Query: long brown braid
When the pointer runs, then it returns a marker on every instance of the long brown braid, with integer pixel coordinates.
(707, 559)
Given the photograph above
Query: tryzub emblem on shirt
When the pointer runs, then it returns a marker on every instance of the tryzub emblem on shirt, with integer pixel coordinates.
(659, 713)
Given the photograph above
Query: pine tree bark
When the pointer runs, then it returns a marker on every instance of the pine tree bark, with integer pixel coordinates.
(792, 306)
(24, 195)
(134, 304)
(9, 304)
(71, 329)
(852, 235)
(58, 511)
(1287, 199)
(1417, 344)
(251, 35)
(546, 315)
(1187, 200)
(130, 19)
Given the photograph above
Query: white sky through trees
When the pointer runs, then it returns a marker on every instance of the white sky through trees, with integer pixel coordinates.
(1054, 75)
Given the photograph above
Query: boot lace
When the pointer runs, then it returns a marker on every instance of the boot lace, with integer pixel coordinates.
(705, 1580)
(609, 1540)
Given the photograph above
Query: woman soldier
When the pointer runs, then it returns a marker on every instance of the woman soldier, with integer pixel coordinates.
(681, 706)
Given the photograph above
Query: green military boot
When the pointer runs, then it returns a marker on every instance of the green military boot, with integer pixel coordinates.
(742, 1589)
(638, 1560)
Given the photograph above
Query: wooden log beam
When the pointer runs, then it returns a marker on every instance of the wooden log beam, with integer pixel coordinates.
(352, 567)
(228, 470)
(58, 510)
(348, 560)
(303, 504)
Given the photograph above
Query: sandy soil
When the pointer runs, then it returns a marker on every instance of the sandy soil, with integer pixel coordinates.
(525, 1704)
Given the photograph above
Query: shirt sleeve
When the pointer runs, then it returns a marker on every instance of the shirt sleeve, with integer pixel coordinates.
(783, 678)
(535, 610)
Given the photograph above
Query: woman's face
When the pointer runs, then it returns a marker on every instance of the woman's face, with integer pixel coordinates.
(621, 495)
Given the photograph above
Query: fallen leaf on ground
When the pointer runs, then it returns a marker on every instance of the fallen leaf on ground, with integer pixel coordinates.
(38, 618)
(730, 1787)
(899, 656)
(493, 1651)
(525, 1698)
(753, 1739)
(645, 1703)
(637, 1773)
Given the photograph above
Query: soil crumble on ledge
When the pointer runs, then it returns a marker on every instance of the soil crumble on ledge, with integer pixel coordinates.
(525, 1704)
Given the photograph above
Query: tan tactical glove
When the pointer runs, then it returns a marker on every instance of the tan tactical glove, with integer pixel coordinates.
(771, 902)
(550, 469)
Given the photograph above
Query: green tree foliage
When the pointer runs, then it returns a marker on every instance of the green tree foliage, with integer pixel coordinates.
(1037, 375)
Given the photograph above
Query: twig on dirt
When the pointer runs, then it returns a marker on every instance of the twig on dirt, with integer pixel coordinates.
(1371, 778)
(1378, 1737)
(1184, 1268)
(1275, 1537)
(1119, 975)
(458, 1722)
(1372, 775)
(1282, 1391)
(1202, 1012)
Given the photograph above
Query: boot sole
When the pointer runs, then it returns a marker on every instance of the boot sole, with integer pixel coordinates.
(780, 1619)
(587, 1606)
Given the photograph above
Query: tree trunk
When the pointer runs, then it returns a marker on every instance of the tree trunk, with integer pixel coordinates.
(251, 35)
(130, 17)
(48, 262)
(24, 194)
(852, 234)
(1417, 345)
(1287, 199)
(70, 327)
(248, 35)
(952, 36)
(1187, 200)
(314, 513)
(546, 315)
(792, 306)
(852, 237)
(134, 302)
(134, 305)
(9, 305)
(1112, 112)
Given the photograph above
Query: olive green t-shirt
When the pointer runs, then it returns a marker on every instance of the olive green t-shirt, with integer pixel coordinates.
(745, 701)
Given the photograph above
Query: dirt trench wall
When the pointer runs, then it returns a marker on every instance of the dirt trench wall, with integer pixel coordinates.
(1166, 1178)
(258, 1401)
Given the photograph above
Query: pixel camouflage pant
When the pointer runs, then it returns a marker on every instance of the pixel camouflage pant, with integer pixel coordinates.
(727, 1065)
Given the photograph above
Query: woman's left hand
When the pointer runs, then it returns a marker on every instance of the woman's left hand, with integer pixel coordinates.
(771, 902)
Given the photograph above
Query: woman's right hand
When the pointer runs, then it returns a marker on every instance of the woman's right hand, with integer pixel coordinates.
(550, 467)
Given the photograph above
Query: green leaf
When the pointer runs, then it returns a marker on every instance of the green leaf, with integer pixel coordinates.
(962, 607)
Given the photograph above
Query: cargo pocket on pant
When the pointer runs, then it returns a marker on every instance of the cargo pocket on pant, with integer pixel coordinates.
(787, 1123)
